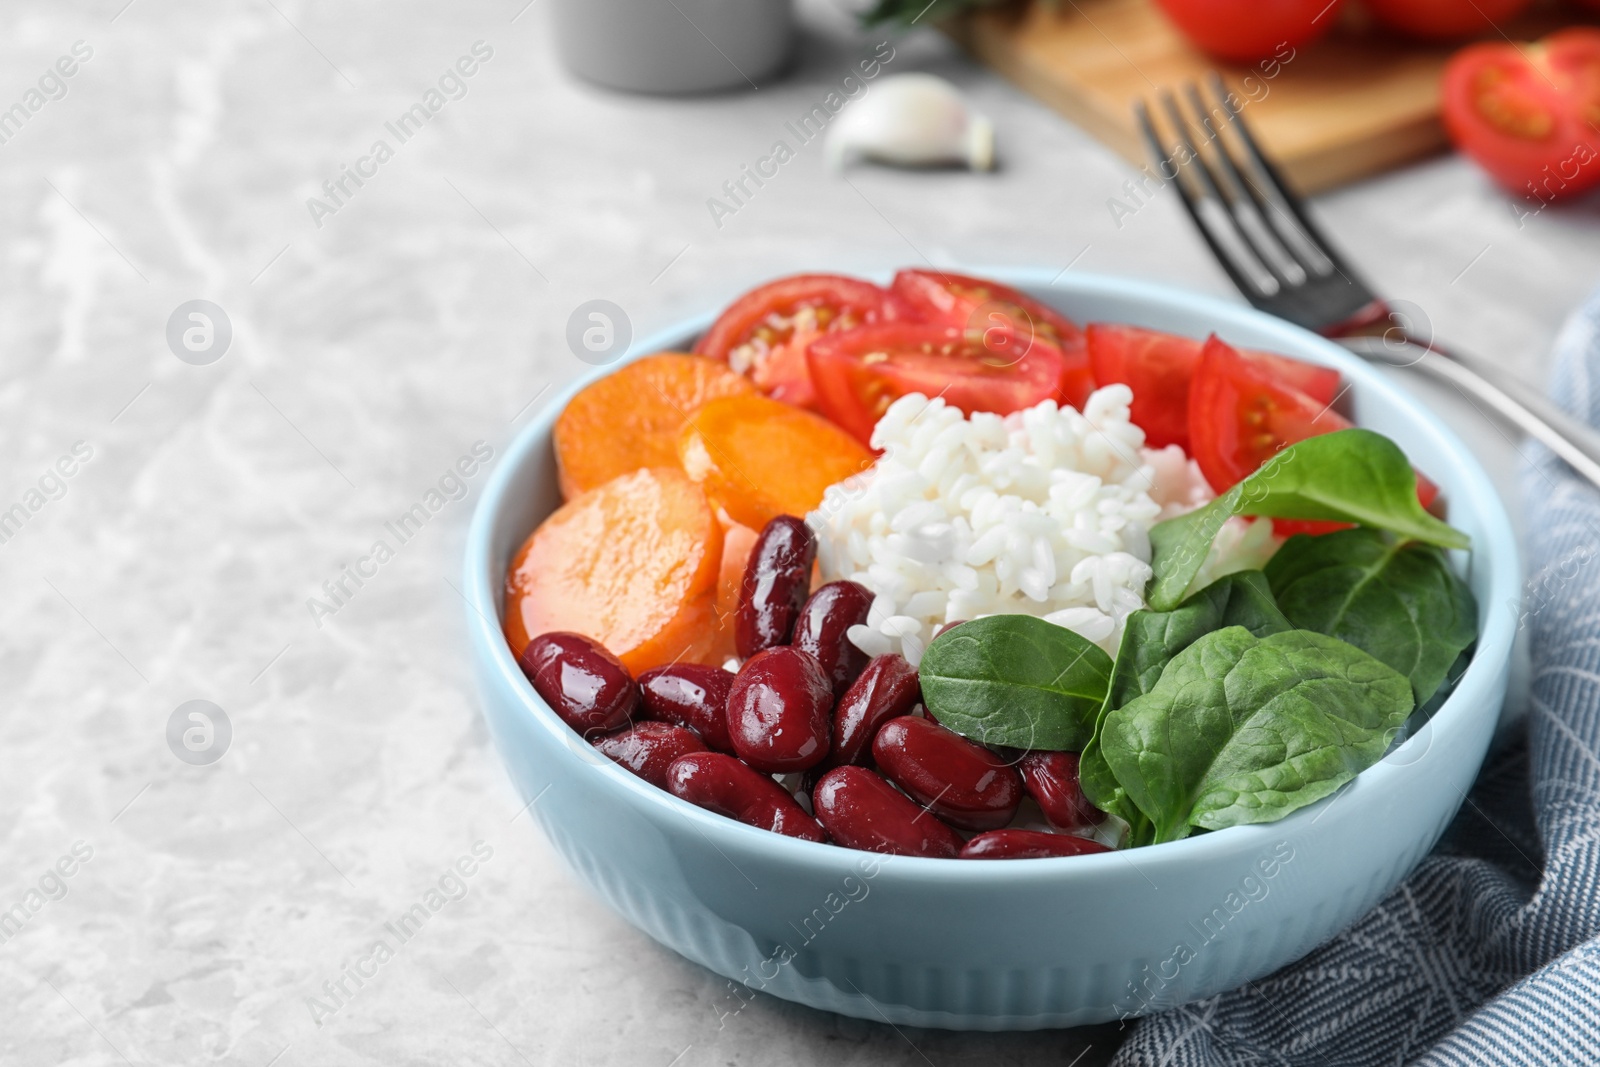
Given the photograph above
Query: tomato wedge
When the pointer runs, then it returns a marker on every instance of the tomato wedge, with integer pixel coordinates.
(1158, 367)
(967, 303)
(764, 334)
(859, 373)
(1530, 114)
(1239, 418)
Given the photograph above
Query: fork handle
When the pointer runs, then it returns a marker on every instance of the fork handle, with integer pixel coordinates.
(1567, 437)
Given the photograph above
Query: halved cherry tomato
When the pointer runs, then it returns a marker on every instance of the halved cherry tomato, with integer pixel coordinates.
(1244, 31)
(1239, 418)
(1530, 114)
(1159, 366)
(764, 333)
(995, 310)
(1444, 20)
(1316, 381)
(859, 373)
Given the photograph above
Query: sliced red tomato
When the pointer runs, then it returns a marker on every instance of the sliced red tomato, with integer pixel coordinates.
(969, 303)
(859, 373)
(1530, 114)
(1316, 381)
(764, 334)
(1158, 367)
(1077, 377)
(1239, 418)
(1443, 20)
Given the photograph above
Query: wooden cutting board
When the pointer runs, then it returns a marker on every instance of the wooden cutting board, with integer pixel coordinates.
(1353, 104)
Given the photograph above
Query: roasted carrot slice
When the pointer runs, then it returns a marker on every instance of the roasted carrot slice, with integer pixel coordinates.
(759, 458)
(632, 418)
(633, 565)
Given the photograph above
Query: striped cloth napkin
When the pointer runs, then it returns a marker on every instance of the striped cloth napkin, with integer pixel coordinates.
(1490, 952)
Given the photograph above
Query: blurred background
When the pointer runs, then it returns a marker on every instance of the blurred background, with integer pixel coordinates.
(386, 217)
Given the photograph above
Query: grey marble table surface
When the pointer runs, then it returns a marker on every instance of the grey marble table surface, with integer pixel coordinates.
(181, 517)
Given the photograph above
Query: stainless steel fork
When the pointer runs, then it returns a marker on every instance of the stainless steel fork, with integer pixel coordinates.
(1278, 256)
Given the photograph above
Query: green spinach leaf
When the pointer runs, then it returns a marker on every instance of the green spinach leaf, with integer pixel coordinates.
(1015, 680)
(1350, 475)
(1152, 638)
(1398, 600)
(1149, 641)
(1245, 729)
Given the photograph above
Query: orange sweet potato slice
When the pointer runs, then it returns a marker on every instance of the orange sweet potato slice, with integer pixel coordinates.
(737, 542)
(759, 458)
(633, 565)
(632, 418)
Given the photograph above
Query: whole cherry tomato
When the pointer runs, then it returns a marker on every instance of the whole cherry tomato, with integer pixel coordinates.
(1245, 31)
(1444, 20)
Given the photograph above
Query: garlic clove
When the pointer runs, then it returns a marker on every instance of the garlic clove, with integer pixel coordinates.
(912, 120)
(980, 142)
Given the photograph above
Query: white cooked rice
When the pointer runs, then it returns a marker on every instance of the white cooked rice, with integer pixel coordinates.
(1045, 512)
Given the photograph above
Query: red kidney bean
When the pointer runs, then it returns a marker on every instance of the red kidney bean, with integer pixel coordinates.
(961, 782)
(821, 630)
(777, 579)
(722, 784)
(583, 683)
(778, 711)
(886, 690)
(687, 694)
(648, 749)
(1027, 845)
(1051, 778)
(861, 810)
(946, 628)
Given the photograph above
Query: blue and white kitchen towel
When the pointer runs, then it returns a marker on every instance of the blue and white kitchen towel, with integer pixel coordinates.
(1490, 952)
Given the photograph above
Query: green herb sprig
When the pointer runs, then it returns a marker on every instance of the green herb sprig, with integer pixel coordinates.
(924, 12)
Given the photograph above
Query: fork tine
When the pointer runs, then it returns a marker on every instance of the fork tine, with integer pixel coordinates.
(1215, 208)
(1180, 129)
(1299, 232)
(1249, 209)
(1254, 215)
(1247, 281)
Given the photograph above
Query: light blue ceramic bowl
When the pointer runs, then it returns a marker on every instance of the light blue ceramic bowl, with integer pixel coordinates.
(998, 945)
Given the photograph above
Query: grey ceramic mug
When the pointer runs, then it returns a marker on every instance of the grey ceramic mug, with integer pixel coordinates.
(674, 46)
